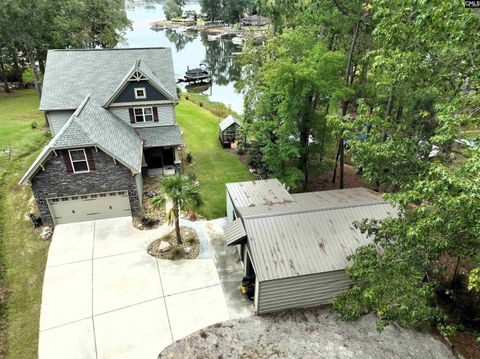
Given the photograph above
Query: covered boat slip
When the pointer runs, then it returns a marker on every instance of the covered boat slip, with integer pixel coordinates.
(298, 245)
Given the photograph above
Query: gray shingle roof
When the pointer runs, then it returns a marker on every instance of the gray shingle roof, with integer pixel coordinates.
(92, 125)
(160, 136)
(73, 74)
(227, 122)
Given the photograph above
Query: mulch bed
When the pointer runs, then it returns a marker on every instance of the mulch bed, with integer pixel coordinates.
(189, 240)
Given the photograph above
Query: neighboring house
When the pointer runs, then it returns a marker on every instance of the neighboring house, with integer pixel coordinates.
(255, 20)
(112, 117)
(296, 246)
(229, 131)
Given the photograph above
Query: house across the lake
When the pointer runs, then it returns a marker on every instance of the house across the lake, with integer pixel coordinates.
(112, 117)
(294, 247)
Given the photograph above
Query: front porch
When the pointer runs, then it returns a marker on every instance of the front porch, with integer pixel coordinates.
(161, 161)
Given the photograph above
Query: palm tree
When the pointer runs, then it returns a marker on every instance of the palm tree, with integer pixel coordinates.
(184, 195)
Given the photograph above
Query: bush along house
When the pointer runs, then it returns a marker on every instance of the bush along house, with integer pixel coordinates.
(112, 117)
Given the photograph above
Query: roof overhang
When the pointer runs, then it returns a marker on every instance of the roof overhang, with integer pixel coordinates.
(234, 233)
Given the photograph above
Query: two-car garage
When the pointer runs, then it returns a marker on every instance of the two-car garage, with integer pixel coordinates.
(89, 207)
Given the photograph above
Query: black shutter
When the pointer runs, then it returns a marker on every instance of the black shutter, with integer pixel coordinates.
(68, 163)
(132, 116)
(91, 163)
(155, 114)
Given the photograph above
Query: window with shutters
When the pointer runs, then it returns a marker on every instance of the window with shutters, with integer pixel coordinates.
(143, 114)
(78, 158)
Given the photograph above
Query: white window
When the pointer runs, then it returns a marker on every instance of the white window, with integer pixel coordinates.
(78, 158)
(143, 114)
(140, 93)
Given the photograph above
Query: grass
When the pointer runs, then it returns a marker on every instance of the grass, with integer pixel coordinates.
(23, 254)
(212, 165)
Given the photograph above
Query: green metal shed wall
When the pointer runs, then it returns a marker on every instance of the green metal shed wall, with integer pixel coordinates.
(300, 292)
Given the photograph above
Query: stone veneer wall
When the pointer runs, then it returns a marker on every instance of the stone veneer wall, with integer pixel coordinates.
(55, 181)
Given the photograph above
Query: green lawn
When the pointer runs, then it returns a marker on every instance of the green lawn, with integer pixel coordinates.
(212, 165)
(23, 255)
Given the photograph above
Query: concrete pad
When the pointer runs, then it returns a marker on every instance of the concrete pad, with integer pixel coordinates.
(71, 243)
(117, 236)
(123, 280)
(140, 331)
(194, 310)
(74, 340)
(67, 294)
(183, 275)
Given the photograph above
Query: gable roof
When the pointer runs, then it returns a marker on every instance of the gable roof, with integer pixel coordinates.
(142, 68)
(93, 125)
(71, 75)
(227, 122)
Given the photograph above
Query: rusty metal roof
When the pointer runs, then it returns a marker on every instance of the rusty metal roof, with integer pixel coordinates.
(307, 243)
(300, 234)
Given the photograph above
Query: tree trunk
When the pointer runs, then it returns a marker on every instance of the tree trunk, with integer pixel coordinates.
(349, 76)
(389, 114)
(4, 77)
(36, 75)
(177, 224)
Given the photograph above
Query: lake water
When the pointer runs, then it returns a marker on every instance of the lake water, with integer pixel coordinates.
(188, 49)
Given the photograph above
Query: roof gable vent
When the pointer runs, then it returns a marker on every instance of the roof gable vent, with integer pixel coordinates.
(137, 76)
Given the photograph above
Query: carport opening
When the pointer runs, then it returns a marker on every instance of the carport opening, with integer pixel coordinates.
(248, 281)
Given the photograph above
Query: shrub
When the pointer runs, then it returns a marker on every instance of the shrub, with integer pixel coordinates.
(241, 149)
(177, 252)
(200, 104)
(191, 240)
(189, 157)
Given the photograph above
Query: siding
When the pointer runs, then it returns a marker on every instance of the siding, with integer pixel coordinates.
(56, 120)
(166, 116)
(128, 94)
(300, 292)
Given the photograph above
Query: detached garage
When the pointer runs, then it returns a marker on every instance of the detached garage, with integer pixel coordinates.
(295, 246)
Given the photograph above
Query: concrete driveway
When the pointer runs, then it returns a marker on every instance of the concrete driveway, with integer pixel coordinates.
(105, 297)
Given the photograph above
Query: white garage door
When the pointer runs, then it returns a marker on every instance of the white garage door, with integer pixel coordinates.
(89, 207)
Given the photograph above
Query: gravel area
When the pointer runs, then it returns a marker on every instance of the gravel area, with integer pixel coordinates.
(316, 333)
(189, 248)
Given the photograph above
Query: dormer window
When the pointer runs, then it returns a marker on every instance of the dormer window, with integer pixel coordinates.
(140, 93)
(78, 159)
(144, 114)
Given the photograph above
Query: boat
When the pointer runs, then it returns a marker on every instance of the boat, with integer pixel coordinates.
(198, 74)
(238, 40)
(180, 29)
(213, 37)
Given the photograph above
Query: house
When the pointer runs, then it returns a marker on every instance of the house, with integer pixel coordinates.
(112, 117)
(295, 246)
(255, 20)
(229, 131)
